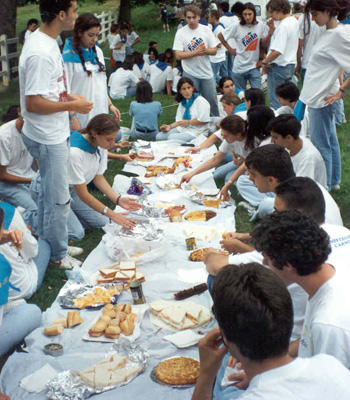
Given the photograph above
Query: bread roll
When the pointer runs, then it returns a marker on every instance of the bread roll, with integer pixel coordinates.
(53, 330)
(127, 309)
(61, 321)
(119, 307)
(73, 318)
(98, 329)
(127, 327)
(108, 307)
(105, 318)
(175, 216)
(110, 313)
(112, 332)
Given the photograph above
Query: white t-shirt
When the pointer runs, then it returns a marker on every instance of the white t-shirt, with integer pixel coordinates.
(131, 38)
(14, 154)
(24, 271)
(84, 166)
(332, 214)
(283, 110)
(119, 81)
(329, 56)
(339, 237)
(141, 73)
(176, 77)
(221, 52)
(28, 33)
(309, 162)
(111, 39)
(247, 44)
(285, 40)
(116, 42)
(228, 22)
(159, 78)
(200, 110)
(327, 320)
(93, 88)
(318, 378)
(188, 39)
(313, 33)
(238, 147)
(41, 72)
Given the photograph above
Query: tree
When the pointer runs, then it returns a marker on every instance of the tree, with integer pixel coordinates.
(8, 15)
(126, 6)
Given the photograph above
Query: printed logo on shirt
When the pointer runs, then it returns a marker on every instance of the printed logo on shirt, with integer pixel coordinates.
(339, 242)
(250, 41)
(62, 83)
(194, 44)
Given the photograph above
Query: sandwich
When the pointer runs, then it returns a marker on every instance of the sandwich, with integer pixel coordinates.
(108, 272)
(175, 216)
(127, 266)
(61, 321)
(158, 306)
(112, 332)
(88, 377)
(98, 329)
(193, 311)
(53, 330)
(73, 318)
(123, 374)
(174, 316)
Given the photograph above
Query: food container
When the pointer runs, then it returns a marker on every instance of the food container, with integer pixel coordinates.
(191, 244)
(53, 349)
(137, 292)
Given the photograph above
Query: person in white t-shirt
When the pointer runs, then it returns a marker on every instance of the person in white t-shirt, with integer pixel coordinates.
(248, 51)
(132, 39)
(119, 44)
(255, 317)
(192, 116)
(321, 88)
(306, 159)
(218, 62)
(282, 56)
(86, 70)
(122, 83)
(296, 249)
(287, 95)
(161, 76)
(88, 163)
(193, 45)
(140, 68)
(32, 26)
(45, 106)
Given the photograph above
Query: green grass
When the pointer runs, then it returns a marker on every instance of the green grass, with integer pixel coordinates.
(149, 28)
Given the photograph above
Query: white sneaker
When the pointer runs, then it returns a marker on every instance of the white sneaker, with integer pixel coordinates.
(250, 209)
(67, 262)
(335, 187)
(74, 251)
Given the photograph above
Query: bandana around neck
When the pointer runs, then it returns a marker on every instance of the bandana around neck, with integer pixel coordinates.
(187, 104)
(78, 140)
(71, 55)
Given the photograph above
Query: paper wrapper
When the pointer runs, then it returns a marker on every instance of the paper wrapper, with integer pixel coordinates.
(68, 385)
(168, 182)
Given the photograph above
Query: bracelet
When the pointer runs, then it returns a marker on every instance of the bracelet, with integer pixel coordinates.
(72, 115)
(117, 202)
(230, 181)
(104, 212)
(342, 90)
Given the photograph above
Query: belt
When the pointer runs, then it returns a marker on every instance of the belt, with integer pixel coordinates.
(145, 130)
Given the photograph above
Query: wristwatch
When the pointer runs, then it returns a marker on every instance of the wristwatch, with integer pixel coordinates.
(104, 212)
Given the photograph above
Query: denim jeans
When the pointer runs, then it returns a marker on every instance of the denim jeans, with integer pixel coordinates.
(174, 134)
(276, 75)
(42, 260)
(131, 91)
(119, 137)
(230, 60)
(253, 76)
(324, 136)
(53, 199)
(339, 112)
(17, 324)
(225, 171)
(19, 195)
(135, 134)
(219, 70)
(206, 87)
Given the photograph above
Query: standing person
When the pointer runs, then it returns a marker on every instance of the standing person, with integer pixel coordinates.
(193, 45)
(218, 62)
(248, 52)
(86, 70)
(164, 17)
(110, 37)
(282, 56)
(321, 87)
(45, 106)
(119, 44)
(132, 39)
(32, 26)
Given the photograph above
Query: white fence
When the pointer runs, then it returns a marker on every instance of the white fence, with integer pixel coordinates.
(7, 71)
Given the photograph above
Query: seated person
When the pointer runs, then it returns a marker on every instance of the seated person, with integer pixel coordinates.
(255, 317)
(16, 166)
(152, 57)
(296, 249)
(17, 318)
(161, 76)
(192, 116)
(287, 95)
(140, 68)
(88, 162)
(122, 83)
(226, 86)
(306, 159)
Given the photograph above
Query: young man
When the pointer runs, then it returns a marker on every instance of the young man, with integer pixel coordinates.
(282, 55)
(193, 45)
(296, 249)
(255, 317)
(45, 106)
(287, 95)
(218, 62)
(32, 26)
(306, 159)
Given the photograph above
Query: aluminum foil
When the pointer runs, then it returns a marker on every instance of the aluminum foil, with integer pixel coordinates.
(198, 197)
(144, 230)
(168, 182)
(73, 290)
(68, 385)
(148, 209)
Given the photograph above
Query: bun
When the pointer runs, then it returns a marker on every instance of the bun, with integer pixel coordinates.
(61, 321)
(109, 307)
(53, 330)
(112, 332)
(98, 329)
(127, 327)
(110, 313)
(105, 318)
(127, 309)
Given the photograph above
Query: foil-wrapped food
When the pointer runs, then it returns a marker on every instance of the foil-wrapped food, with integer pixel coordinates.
(200, 198)
(145, 230)
(148, 209)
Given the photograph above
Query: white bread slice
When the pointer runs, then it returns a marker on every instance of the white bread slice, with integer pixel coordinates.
(123, 374)
(102, 279)
(193, 312)
(108, 272)
(158, 306)
(204, 318)
(88, 377)
(188, 324)
(140, 276)
(173, 315)
(127, 265)
(124, 276)
(102, 376)
(120, 360)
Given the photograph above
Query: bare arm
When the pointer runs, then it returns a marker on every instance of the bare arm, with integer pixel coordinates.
(228, 47)
(239, 171)
(299, 53)
(168, 87)
(271, 57)
(214, 262)
(39, 105)
(9, 178)
(102, 184)
(207, 143)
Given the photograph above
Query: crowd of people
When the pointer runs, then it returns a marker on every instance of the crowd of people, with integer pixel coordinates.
(278, 326)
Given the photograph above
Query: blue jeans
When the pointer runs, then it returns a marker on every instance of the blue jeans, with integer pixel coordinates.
(17, 324)
(225, 171)
(19, 195)
(219, 70)
(230, 60)
(206, 87)
(54, 199)
(174, 134)
(324, 136)
(253, 76)
(42, 260)
(276, 75)
(339, 112)
(119, 137)
(131, 91)
(135, 134)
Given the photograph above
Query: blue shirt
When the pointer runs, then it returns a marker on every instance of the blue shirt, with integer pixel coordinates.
(145, 115)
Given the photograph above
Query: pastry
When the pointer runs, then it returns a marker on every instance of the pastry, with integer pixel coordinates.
(226, 236)
(73, 319)
(155, 170)
(178, 371)
(200, 215)
(184, 294)
(198, 255)
(175, 216)
(53, 330)
(212, 203)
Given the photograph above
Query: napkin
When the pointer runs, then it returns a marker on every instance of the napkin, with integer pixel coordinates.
(192, 275)
(200, 232)
(183, 339)
(229, 371)
(36, 382)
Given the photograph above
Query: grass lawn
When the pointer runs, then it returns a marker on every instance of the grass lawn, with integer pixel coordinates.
(149, 28)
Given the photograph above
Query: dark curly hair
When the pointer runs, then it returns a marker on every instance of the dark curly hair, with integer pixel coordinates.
(254, 310)
(336, 8)
(294, 238)
(278, 5)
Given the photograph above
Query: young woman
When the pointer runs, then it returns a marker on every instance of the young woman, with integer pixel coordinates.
(88, 162)
(233, 132)
(226, 86)
(248, 52)
(170, 58)
(85, 69)
(119, 44)
(152, 56)
(145, 113)
(132, 39)
(122, 83)
(140, 68)
(192, 117)
(321, 90)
